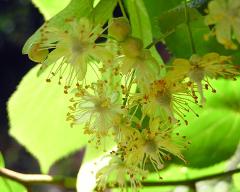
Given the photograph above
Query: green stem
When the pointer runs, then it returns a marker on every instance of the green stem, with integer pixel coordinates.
(187, 16)
(122, 8)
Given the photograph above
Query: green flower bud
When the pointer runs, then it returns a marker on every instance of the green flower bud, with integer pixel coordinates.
(132, 47)
(36, 54)
(119, 28)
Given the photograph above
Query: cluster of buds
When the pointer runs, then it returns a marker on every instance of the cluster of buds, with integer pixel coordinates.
(119, 92)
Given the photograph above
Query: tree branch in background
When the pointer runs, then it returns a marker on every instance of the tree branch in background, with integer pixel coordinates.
(33, 179)
(187, 182)
(70, 183)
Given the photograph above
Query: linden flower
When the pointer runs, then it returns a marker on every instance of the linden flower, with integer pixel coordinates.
(154, 145)
(198, 69)
(72, 49)
(96, 108)
(225, 15)
(120, 173)
(173, 97)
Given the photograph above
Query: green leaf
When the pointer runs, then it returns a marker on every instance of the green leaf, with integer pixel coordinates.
(103, 11)
(7, 185)
(215, 134)
(155, 8)
(49, 8)
(76, 9)
(172, 18)
(180, 37)
(37, 113)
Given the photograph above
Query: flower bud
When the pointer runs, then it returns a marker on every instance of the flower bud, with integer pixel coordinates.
(36, 54)
(119, 28)
(132, 47)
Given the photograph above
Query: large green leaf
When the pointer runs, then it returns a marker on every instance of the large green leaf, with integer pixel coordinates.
(172, 18)
(49, 8)
(215, 134)
(37, 113)
(179, 41)
(76, 9)
(7, 185)
(155, 8)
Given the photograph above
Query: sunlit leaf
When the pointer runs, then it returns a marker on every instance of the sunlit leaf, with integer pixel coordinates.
(215, 134)
(49, 8)
(37, 114)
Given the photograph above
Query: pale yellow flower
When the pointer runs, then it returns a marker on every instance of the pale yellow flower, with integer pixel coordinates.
(200, 68)
(171, 96)
(97, 108)
(120, 173)
(225, 15)
(153, 144)
(72, 50)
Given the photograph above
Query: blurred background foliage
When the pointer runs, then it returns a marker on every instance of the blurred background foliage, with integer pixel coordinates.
(215, 135)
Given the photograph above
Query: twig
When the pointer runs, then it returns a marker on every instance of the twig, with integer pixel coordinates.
(33, 179)
(188, 182)
(70, 183)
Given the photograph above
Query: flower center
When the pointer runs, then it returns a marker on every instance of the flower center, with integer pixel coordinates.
(102, 105)
(150, 146)
(78, 46)
(196, 74)
(164, 98)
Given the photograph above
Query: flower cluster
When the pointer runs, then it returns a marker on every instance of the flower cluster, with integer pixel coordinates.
(120, 91)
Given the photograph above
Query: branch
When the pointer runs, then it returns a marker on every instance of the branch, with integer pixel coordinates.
(32, 179)
(70, 183)
(188, 182)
